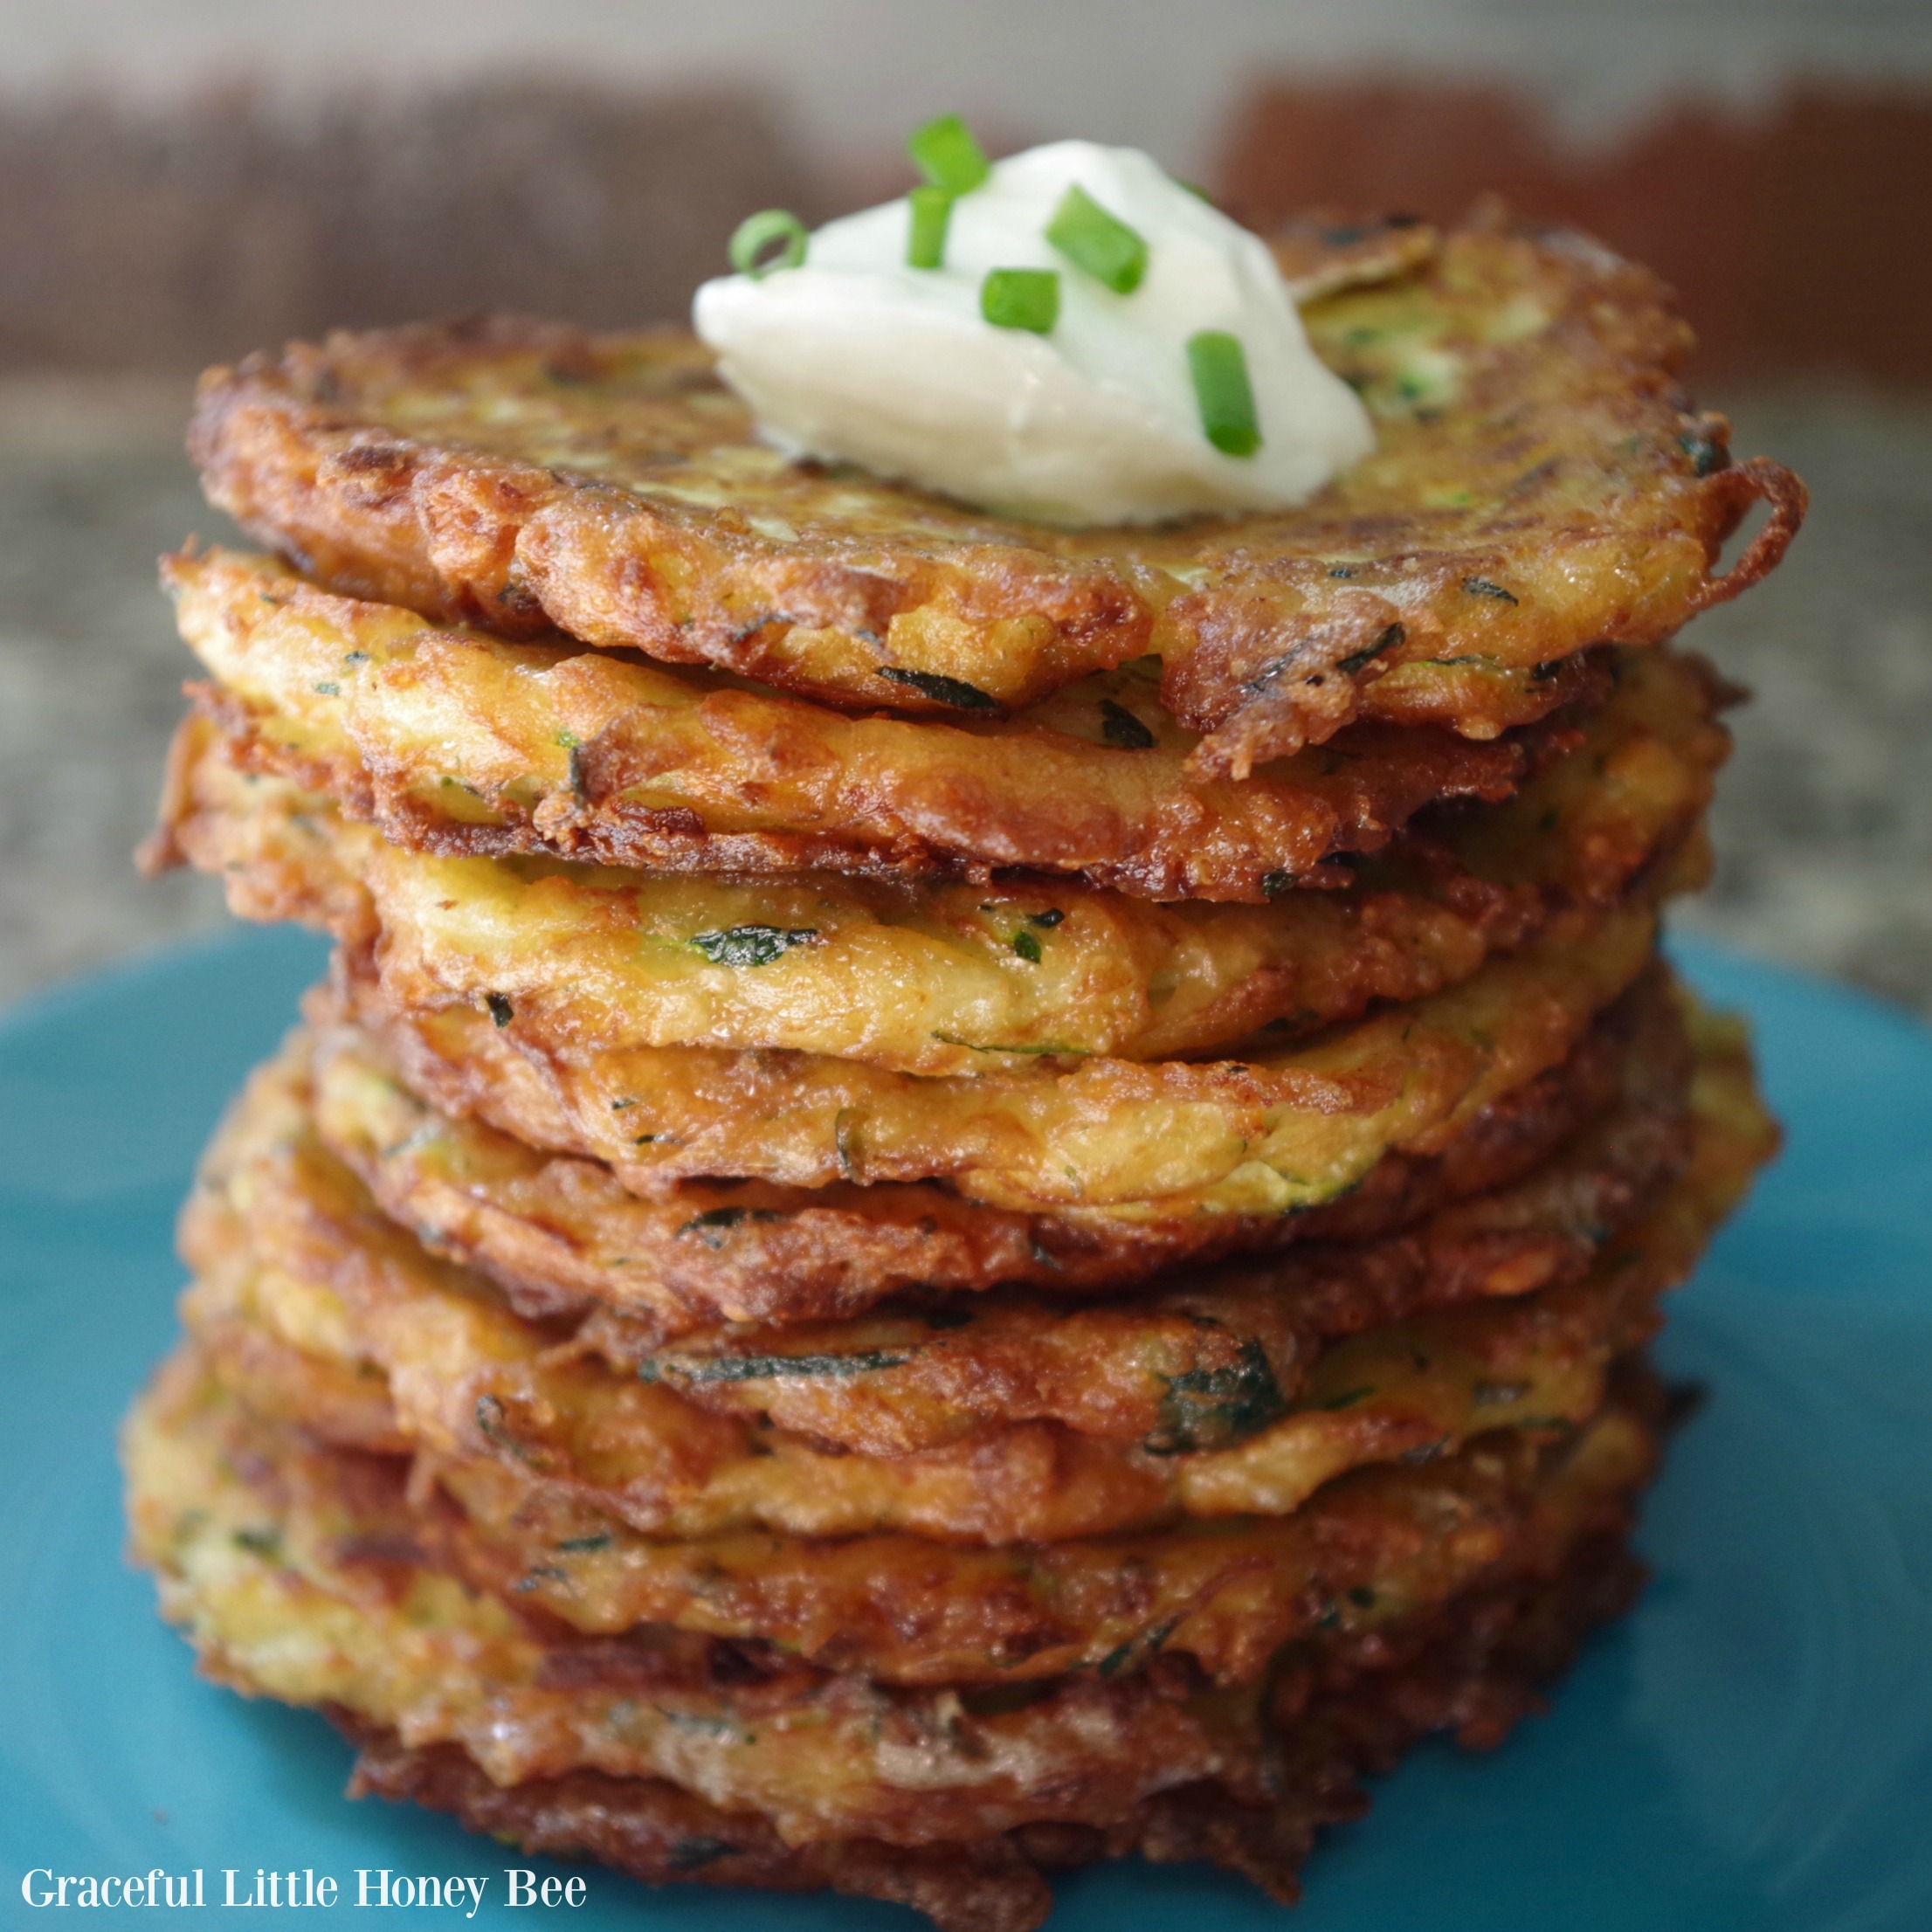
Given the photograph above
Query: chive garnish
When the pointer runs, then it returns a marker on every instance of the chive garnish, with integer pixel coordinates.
(1027, 947)
(1101, 243)
(1021, 298)
(945, 152)
(757, 234)
(932, 208)
(1222, 393)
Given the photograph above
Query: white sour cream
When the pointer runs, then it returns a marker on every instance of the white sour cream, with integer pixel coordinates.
(855, 356)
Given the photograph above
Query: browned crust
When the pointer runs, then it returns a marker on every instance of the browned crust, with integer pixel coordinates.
(652, 1831)
(811, 1118)
(1474, 1670)
(822, 1251)
(880, 796)
(923, 977)
(560, 1232)
(1024, 1425)
(1158, 1139)
(1587, 491)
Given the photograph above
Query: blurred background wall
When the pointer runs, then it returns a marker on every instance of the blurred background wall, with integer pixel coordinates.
(183, 180)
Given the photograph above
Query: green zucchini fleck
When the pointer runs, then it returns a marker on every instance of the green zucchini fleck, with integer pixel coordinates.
(787, 1367)
(688, 1853)
(1387, 641)
(942, 690)
(1210, 1408)
(1481, 587)
(1122, 729)
(751, 945)
(1347, 1398)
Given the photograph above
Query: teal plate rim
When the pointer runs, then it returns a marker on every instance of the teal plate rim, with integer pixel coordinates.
(1751, 1750)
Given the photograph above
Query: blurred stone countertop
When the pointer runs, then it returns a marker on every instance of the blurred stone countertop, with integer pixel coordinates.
(1822, 824)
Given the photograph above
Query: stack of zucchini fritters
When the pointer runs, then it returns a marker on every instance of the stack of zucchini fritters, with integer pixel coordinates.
(964, 1197)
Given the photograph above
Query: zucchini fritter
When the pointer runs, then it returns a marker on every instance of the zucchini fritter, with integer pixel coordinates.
(1473, 1669)
(1283, 1130)
(1367, 1553)
(1540, 485)
(964, 1196)
(453, 742)
(1218, 1398)
(948, 978)
(638, 1750)
(554, 1228)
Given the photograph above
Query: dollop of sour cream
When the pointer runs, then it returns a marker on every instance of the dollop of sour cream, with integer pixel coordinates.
(854, 356)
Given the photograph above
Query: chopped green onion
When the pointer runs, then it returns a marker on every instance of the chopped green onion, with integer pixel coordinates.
(1101, 243)
(1220, 367)
(945, 152)
(932, 208)
(756, 234)
(1021, 298)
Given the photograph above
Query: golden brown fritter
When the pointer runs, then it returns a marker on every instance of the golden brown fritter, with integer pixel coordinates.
(1285, 1127)
(308, 1575)
(1281, 1130)
(1205, 1358)
(954, 978)
(651, 1829)
(1367, 1554)
(928, 978)
(556, 1228)
(583, 1445)
(1473, 1669)
(1540, 485)
(1137, 1417)
(454, 741)
(1542, 1229)
(901, 1608)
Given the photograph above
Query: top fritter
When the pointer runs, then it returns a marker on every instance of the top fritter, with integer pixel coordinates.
(1540, 484)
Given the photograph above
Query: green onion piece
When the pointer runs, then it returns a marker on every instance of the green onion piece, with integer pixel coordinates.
(945, 152)
(756, 234)
(1220, 367)
(932, 208)
(1101, 243)
(1021, 298)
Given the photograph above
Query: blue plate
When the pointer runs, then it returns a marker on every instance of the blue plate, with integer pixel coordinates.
(1752, 1750)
